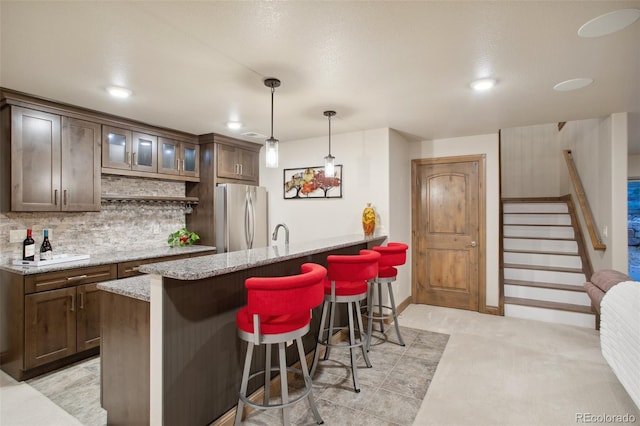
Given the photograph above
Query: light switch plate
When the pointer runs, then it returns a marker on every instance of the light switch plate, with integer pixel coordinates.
(17, 235)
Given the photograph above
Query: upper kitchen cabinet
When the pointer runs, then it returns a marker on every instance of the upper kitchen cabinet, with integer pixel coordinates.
(52, 157)
(178, 158)
(238, 162)
(126, 150)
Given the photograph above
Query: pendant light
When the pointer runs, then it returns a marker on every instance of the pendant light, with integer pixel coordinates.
(329, 160)
(271, 144)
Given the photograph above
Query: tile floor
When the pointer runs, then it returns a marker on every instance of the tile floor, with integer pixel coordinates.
(494, 371)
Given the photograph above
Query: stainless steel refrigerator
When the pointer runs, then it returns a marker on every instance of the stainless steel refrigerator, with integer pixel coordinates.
(241, 217)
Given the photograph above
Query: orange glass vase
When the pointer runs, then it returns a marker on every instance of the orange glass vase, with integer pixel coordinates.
(368, 220)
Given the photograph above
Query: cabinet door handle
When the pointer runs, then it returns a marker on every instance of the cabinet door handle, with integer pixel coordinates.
(134, 159)
(73, 303)
(178, 164)
(55, 197)
(241, 169)
(77, 277)
(64, 197)
(127, 155)
(82, 300)
(183, 165)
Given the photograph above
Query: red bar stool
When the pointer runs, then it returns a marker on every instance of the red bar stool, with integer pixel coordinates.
(346, 282)
(279, 310)
(394, 254)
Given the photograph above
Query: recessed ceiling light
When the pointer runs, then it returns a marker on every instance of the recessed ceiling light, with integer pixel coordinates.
(483, 84)
(609, 23)
(573, 84)
(234, 125)
(119, 92)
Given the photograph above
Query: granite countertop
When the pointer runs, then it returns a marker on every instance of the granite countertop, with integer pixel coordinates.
(218, 264)
(136, 287)
(117, 256)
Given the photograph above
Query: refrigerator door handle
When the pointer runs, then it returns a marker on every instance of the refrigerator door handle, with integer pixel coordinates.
(252, 220)
(246, 220)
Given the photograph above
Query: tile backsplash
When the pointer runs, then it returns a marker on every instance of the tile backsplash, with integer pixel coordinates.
(118, 226)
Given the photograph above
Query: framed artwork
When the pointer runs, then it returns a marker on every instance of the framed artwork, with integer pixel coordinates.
(310, 182)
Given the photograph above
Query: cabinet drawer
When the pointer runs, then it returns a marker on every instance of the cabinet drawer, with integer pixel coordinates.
(130, 269)
(69, 277)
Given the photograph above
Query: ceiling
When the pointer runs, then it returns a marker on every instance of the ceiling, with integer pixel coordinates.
(193, 66)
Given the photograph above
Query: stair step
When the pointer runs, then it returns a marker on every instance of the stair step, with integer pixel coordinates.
(547, 295)
(542, 268)
(550, 253)
(539, 231)
(544, 276)
(529, 207)
(555, 286)
(544, 260)
(577, 319)
(537, 219)
(568, 307)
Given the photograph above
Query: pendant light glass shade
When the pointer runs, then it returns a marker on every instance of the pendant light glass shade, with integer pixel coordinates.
(271, 144)
(329, 160)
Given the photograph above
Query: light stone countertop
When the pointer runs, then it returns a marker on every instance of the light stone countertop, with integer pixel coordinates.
(200, 267)
(117, 256)
(136, 287)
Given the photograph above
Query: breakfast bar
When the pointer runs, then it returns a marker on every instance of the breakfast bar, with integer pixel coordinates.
(193, 356)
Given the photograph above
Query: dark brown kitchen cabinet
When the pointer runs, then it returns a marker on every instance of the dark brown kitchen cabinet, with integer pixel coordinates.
(237, 163)
(88, 317)
(55, 162)
(50, 319)
(50, 326)
(178, 158)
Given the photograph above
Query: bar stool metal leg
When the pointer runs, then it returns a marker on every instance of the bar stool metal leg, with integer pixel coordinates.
(267, 374)
(395, 313)
(352, 349)
(370, 292)
(316, 355)
(307, 380)
(245, 382)
(332, 317)
(363, 338)
(284, 388)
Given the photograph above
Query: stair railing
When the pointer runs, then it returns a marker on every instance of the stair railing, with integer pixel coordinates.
(582, 201)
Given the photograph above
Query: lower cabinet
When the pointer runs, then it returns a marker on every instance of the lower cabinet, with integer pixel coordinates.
(50, 326)
(61, 322)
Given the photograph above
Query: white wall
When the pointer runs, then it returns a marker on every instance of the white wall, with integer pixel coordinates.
(399, 202)
(633, 166)
(531, 162)
(365, 178)
(599, 149)
(475, 145)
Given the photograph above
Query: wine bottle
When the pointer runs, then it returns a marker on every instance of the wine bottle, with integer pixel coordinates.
(28, 247)
(46, 252)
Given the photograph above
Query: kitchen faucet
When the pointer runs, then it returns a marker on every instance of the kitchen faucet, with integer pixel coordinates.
(286, 232)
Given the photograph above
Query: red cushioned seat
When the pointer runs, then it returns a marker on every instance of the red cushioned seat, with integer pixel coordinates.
(346, 288)
(346, 282)
(279, 310)
(391, 255)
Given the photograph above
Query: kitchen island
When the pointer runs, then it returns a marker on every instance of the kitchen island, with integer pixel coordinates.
(194, 357)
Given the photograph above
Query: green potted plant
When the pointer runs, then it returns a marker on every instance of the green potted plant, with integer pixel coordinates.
(182, 237)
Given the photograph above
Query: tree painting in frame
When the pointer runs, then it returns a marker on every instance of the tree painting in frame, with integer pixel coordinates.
(310, 182)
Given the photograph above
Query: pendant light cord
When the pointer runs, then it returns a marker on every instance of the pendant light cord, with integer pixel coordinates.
(329, 135)
(272, 90)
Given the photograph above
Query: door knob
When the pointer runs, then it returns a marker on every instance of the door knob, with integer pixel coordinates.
(473, 244)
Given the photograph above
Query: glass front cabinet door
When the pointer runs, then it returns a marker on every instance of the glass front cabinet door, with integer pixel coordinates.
(178, 158)
(116, 148)
(144, 149)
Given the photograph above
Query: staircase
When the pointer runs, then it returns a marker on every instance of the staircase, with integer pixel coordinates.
(543, 269)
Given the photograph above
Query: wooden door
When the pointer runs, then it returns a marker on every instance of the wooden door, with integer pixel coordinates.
(88, 319)
(447, 208)
(81, 171)
(35, 159)
(50, 326)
